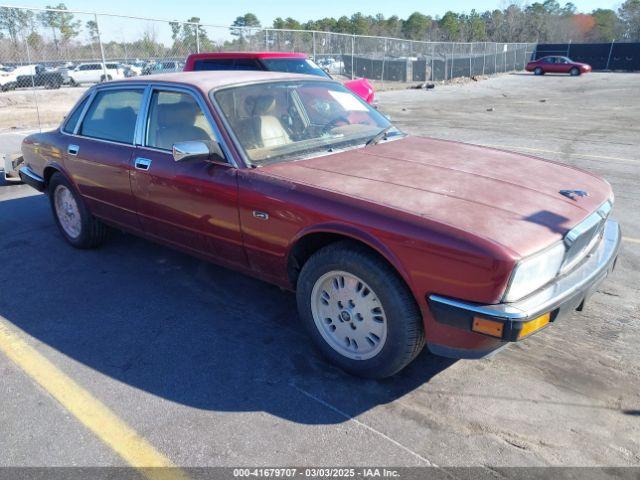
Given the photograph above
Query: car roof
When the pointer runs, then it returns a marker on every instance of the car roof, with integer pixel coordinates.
(209, 80)
(210, 55)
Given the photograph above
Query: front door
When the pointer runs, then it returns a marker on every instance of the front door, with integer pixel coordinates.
(192, 204)
(99, 153)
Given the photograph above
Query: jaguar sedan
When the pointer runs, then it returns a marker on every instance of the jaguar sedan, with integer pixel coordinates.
(390, 241)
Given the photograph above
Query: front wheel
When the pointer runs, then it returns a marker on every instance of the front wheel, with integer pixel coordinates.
(538, 71)
(359, 312)
(75, 222)
(574, 72)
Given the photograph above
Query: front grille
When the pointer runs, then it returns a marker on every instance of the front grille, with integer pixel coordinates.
(584, 237)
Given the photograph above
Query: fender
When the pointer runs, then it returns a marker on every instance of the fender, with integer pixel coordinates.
(354, 233)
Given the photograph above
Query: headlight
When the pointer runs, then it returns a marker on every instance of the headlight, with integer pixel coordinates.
(533, 272)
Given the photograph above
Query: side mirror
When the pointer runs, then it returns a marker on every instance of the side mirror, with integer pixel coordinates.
(200, 150)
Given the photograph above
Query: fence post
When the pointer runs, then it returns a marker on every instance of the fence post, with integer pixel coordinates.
(384, 56)
(353, 53)
(610, 51)
(433, 52)
(197, 37)
(484, 57)
(33, 86)
(495, 58)
(104, 60)
(470, 60)
(313, 36)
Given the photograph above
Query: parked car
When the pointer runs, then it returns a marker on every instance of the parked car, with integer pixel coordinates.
(33, 76)
(274, 62)
(166, 67)
(7, 78)
(557, 64)
(96, 72)
(389, 240)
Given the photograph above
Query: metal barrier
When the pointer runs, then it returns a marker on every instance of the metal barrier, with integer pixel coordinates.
(51, 48)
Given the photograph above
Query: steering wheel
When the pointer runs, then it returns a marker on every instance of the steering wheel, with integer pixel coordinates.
(335, 122)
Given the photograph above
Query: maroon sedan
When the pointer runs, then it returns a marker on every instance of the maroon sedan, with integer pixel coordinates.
(389, 240)
(556, 64)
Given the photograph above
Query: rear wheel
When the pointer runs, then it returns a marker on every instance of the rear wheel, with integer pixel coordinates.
(538, 71)
(358, 311)
(75, 222)
(574, 72)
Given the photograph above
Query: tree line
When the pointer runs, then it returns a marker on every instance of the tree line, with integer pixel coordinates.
(545, 22)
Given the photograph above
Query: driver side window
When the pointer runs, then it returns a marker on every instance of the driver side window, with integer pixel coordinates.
(175, 117)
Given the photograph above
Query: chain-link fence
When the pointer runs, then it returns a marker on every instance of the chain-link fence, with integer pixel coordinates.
(52, 48)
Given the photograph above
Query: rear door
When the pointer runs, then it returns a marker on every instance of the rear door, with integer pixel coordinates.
(192, 204)
(99, 152)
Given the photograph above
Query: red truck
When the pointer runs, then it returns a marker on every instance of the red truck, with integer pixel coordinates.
(390, 241)
(273, 62)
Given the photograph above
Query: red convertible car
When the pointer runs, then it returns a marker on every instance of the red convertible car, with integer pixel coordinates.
(556, 64)
(274, 62)
(390, 241)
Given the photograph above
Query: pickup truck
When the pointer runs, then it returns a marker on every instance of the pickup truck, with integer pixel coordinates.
(39, 76)
(287, 62)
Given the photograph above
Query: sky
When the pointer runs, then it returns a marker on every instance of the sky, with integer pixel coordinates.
(219, 12)
(224, 12)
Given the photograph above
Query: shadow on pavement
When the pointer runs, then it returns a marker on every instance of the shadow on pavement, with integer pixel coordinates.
(176, 327)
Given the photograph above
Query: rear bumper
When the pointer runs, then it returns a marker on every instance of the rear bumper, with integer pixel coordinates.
(32, 179)
(558, 299)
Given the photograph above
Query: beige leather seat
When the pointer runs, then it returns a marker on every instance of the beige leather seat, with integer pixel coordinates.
(267, 127)
(175, 122)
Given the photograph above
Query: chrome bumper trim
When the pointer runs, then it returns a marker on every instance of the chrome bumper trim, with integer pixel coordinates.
(579, 281)
(31, 178)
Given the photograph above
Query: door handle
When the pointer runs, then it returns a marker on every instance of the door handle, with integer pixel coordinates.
(142, 163)
(73, 149)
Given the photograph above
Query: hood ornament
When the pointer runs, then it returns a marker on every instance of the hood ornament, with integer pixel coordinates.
(574, 194)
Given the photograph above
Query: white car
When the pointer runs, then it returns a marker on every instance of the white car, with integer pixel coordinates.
(8, 78)
(95, 72)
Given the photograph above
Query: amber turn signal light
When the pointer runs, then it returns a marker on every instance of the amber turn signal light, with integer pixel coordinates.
(534, 325)
(488, 327)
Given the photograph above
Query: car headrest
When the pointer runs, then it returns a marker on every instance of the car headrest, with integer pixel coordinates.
(264, 105)
(176, 114)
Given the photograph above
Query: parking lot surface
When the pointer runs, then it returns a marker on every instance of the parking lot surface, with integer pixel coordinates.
(212, 368)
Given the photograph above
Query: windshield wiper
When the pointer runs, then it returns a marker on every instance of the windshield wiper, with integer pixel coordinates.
(381, 135)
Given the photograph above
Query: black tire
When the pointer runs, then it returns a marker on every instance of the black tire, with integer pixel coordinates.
(92, 231)
(108, 78)
(574, 72)
(405, 334)
(538, 71)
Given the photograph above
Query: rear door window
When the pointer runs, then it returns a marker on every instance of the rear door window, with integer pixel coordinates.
(112, 115)
(226, 64)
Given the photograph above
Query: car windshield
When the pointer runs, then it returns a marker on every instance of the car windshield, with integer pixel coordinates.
(293, 65)
(282, 121)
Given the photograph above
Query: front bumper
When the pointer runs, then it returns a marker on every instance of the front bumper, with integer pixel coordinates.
(557, 299)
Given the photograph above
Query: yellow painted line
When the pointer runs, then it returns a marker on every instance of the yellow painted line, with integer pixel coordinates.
(632, 240)
(93, 414)
(541, 150)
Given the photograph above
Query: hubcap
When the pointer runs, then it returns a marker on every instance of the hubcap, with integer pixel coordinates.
(349, 315)
(67, 211)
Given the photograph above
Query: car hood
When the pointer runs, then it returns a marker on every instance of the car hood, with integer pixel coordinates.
(508, 198)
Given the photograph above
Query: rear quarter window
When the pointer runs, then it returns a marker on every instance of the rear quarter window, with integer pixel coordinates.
(72, 120)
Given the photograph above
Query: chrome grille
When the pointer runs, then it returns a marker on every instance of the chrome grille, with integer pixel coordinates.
(583, 238)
